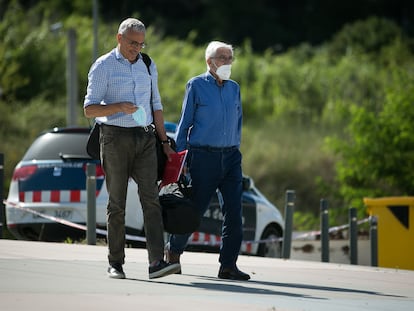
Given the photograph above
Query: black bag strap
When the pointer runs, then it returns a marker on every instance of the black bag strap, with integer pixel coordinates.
(147, 61)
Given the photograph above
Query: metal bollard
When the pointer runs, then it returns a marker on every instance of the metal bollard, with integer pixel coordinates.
(91, 204)
(287, 236)
(324, 231)
(373, 235)
(353, 235)
(2, 212)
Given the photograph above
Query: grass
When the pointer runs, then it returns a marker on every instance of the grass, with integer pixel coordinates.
(281, 157)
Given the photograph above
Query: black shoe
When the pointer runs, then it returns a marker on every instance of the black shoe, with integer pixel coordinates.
(163, 269)
(233, 274)
(115, 271)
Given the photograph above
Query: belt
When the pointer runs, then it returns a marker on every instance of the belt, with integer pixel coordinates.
(127, 129)
(214, 149)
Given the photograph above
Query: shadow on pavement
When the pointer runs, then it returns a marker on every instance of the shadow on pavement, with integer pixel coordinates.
(243, 287)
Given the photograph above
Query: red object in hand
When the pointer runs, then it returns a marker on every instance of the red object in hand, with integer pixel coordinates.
(173, 168)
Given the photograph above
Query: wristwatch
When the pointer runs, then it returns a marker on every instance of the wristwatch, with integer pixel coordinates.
(165, 142)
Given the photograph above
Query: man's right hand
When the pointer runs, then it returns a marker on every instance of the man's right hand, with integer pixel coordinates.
(127, 107)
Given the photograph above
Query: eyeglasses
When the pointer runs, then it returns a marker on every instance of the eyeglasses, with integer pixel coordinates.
(133, 43)
(224, 59)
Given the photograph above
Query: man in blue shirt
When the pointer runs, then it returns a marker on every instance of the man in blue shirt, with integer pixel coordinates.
(119, 94)
(210, 128)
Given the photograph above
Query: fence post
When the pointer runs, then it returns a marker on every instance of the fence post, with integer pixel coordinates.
(373, 235)
(287, 236)
(353, 235)
(2, 212)
(91, 204)
(324, 230)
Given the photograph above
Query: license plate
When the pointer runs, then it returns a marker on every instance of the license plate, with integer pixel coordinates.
(64, 214)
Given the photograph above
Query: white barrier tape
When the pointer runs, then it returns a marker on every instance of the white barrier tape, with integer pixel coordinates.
(51, 218)
(215, 243)
(212, 240)
(331, 230)
(69, 223)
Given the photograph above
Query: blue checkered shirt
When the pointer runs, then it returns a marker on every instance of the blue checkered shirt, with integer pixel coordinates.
(113, 79)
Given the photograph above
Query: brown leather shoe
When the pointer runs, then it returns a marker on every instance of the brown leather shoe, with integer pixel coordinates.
(172, 258)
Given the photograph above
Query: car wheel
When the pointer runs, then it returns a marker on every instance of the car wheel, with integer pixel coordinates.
(272, 248)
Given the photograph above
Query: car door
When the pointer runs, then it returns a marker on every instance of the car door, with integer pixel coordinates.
(212, 219)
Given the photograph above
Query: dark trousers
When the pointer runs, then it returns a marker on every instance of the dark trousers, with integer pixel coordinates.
(211, 169)
(130, 153)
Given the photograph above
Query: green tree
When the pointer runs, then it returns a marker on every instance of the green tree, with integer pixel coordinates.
(33, 61)
(377, 157)
(364, 36)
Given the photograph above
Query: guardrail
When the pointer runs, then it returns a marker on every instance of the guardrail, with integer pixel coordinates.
(325, 231)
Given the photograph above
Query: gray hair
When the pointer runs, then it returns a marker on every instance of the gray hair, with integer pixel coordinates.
(213, 46)
(131, 24)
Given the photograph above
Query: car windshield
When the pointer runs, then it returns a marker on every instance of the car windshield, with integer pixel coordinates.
(51, 146)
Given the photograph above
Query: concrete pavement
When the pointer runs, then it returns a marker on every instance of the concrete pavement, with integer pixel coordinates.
(46, 276)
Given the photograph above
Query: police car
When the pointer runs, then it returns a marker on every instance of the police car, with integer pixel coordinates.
(47, 200)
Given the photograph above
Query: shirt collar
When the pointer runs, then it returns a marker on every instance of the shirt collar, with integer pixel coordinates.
(118, 54)
(121, 57)
(210, 78)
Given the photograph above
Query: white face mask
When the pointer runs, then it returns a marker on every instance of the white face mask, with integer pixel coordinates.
(224, 72)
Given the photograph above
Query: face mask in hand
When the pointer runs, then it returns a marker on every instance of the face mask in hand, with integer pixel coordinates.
(224, 72)
(140, 116)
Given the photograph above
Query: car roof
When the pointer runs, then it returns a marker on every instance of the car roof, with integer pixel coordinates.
(56, 143)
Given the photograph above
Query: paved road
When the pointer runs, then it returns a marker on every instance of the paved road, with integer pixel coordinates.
(51, 276)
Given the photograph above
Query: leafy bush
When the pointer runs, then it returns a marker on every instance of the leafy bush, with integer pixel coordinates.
(377, 154)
